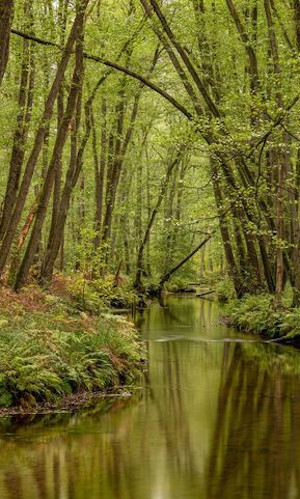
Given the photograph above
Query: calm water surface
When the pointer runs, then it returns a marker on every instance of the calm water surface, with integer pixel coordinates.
(219, 417)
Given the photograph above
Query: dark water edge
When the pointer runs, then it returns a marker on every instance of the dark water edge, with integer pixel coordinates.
(218, 417)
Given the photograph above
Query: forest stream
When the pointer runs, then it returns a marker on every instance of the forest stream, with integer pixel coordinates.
(218, 417)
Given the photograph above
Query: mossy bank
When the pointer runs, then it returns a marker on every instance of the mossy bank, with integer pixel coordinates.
(263, 314)
(49, 350)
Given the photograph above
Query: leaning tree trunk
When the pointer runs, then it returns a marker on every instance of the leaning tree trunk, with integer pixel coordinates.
(57, 154)
(165, 278)
(37, 146)
(140, 256)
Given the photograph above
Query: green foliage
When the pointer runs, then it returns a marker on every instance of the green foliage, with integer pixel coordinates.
(46, 354)
(178, 284)
(291, 323)
(256, 313)
(96, 294)
(224, 291)
(6, 399)
(261, 314)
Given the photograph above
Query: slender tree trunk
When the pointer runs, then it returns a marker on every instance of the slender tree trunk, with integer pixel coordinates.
(6, 18)
(202, 263)
(22, 126)
(253, 65)
(139, 202)
(38, 143)
(114, 165)
(296, 240)
(282, 157)
(125, 194)
(121, 146)
(100, 171)
(148, 214)
(139, 265)
(57, 153)
(233, 269)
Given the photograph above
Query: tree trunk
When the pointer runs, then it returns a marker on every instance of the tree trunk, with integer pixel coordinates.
(233, 269)
(73, 173)
(22, 126)
(169, 274)
(282, 157)
(121, 145)
(6, 18)
(57, 152)
(100, 171)
(139, 265)
(38, 143)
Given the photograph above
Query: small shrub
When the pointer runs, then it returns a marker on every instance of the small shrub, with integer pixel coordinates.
(97, 294)
(225, 291)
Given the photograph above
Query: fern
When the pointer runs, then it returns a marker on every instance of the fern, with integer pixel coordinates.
(48, 356)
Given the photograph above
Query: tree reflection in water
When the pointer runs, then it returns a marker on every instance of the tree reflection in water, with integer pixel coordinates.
(255, 448)
(215, 420)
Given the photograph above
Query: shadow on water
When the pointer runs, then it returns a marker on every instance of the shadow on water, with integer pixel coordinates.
(216, 419)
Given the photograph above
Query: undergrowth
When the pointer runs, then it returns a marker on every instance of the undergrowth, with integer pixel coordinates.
(98, 293)
(49, 349)
(261, 314)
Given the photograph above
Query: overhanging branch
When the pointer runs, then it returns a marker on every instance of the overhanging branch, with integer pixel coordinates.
(117, 67)
(276, 121)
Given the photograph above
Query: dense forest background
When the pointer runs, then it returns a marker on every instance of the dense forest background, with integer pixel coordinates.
(142, 140)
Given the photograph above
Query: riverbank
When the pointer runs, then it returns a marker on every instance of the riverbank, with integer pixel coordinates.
(53, 355)
(261, 314)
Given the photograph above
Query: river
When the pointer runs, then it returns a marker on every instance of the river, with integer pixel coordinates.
(217, 417)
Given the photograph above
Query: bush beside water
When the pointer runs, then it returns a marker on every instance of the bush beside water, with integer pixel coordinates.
(261, 314)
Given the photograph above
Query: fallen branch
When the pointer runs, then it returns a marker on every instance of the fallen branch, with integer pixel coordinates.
(205, 294)
(169, 274)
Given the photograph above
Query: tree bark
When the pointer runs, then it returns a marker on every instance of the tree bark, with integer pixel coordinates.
(73, 173)
(57, 151)
(25, 102)
(169, 274)
(100, 168)
(232, 266)
(38, 143)
(253, 65)
(139, 264)
(6, 18)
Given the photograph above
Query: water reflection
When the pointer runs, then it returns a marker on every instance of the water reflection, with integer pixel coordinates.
(255, 448)
(215, 420)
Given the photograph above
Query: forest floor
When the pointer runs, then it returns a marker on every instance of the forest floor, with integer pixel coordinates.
(54, 356)
(263, 315)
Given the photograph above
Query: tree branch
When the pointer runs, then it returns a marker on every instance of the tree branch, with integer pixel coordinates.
(168, 274)
(117, 67)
